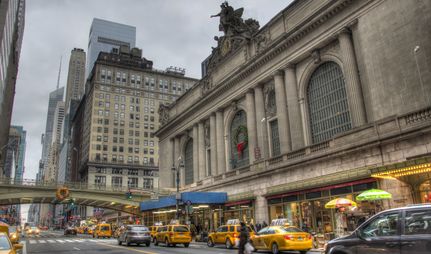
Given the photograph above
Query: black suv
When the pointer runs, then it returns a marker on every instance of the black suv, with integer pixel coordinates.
(405, 230)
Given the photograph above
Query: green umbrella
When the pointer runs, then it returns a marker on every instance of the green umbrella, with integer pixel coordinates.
(373, 194)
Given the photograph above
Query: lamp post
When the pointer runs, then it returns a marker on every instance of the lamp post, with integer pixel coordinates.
(176, 169)
(416, 50)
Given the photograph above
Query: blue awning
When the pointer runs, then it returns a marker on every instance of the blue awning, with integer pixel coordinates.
(186, 197)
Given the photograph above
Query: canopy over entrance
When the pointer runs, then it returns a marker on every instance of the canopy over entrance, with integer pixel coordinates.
(188, 198)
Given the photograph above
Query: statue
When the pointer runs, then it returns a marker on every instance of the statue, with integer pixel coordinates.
(232, 24)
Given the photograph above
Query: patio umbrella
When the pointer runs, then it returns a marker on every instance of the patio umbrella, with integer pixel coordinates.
(340, 202)
(373, 194)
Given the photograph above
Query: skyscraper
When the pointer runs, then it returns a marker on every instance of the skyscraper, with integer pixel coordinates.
(11, 32)
(14, 165)
(105, 35)
(75, 77)
(54, 98)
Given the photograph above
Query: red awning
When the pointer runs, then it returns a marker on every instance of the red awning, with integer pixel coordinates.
(368, 180)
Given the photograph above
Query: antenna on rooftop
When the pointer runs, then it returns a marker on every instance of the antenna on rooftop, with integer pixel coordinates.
(59, 72)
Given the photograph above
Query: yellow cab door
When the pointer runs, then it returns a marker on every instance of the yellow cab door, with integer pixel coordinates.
(269, 237)
(258, 239)
(221, 236)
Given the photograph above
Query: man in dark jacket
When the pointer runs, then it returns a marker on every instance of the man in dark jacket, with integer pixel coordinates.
(243, 238)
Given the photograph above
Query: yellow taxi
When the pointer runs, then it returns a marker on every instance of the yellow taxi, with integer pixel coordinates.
(227, 234)
(102, 230)
(153, 231)
(90, 229)
(6, 247)
(14, 234)
(172, 235)
(282, 237)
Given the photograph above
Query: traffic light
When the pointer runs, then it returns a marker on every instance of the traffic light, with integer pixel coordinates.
(129, 195)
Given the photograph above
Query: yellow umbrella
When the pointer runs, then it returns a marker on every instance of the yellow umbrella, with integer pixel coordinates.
(340, 202)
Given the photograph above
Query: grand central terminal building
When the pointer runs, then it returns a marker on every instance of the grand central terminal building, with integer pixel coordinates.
(328, 99)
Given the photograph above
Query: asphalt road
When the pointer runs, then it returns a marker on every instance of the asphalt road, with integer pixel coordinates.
(55, 242)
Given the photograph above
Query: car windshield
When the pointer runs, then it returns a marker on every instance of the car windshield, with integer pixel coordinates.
(104, 228)
(137, 228)
(181, 229)
(291, 230)
(4, 243)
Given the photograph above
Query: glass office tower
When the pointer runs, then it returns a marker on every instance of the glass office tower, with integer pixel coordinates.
(105, 35)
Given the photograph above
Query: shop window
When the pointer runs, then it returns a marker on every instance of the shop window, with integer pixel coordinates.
(239, 140)
(327, 103)
(275, 201)
(312, 195)
(189, 162)
(290, 198)
(364, 186)
(341, 190)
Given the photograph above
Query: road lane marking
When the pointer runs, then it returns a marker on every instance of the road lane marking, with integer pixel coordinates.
(51, 241)
(42, 241)
(76, 248)
(32, 241)
(124, 248)
(69, 241)
(60, 241)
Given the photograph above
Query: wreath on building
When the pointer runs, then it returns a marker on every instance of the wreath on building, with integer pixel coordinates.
(62, 193)
(241, 145)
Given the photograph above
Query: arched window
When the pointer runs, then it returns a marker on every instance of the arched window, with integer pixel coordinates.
(327, 102)
(239, 140)
(188, 163)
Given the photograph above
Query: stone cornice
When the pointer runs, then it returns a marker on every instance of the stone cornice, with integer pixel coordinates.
(272, 51)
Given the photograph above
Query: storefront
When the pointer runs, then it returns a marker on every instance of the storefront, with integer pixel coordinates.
(306, 209)
(203, 210)
(242, 210)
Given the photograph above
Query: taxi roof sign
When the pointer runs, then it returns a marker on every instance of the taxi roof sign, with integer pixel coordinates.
(279, 222)
(233, 222)
(174, 222)
(158, 223)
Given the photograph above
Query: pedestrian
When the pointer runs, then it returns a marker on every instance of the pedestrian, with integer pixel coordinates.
(258, 227)
(244, 237)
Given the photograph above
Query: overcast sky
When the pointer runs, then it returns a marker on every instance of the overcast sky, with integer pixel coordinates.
(169, 32)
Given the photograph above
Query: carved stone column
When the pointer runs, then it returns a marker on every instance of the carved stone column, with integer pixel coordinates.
(221, 160)
(213, 145)
(262, 130)
(171, 162)
(201, 150)
(351, 74)
(251, 124)
(195, 153)
(294, 113)
(305, 122)
(282, 115)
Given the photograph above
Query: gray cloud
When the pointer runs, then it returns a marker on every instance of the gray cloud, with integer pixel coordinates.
(170, 32)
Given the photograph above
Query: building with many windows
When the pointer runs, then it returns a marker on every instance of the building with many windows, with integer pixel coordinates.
(113, 138)
(328, 99)
(12, 16)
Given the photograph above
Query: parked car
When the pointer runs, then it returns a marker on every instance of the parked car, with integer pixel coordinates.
(137, 234)
(405, 230)
(33, 231)
(70, 231)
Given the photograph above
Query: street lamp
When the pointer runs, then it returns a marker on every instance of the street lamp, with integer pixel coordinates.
(176, 170)
(415, 52)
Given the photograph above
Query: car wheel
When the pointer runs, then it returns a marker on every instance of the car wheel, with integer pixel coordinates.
(156, 243)
(228, 244)
(186, 245)
(147, 244)
(119, 242)
(127, 242)
(274, 249)
(210, 242)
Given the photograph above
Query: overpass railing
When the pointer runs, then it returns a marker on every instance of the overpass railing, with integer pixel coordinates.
(76, 185)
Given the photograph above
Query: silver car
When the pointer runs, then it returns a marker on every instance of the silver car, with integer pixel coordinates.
(135, 234)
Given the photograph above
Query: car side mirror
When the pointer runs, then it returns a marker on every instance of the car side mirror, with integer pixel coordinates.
(17, 246)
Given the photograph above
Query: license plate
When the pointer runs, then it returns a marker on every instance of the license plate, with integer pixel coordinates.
(180, 233)
(300, 238)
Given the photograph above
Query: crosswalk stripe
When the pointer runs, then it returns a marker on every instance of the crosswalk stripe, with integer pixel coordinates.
(51, 241)
(60, 241)
(69, 241)
(32, 241)
(91, 240)
(42, 241)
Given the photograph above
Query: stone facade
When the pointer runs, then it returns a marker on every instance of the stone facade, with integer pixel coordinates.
(386, 84)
